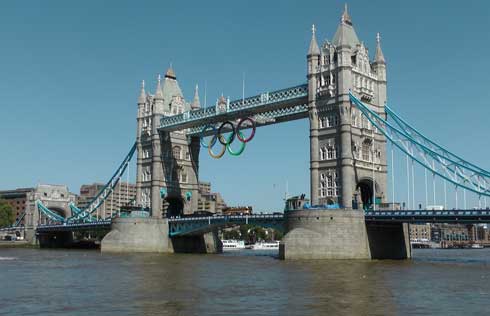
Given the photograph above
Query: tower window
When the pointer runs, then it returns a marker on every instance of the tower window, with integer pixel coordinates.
(366, 150)
(329, 185)
(323, 153)
(176, 152)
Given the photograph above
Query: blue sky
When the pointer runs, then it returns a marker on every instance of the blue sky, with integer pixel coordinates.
(70, 74)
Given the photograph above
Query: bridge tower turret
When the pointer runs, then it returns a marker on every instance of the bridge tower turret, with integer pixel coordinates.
(313, 59)
(142, 110)
(167, 174)
(352, 160)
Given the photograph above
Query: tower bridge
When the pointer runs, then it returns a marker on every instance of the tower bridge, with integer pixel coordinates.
(350, 124)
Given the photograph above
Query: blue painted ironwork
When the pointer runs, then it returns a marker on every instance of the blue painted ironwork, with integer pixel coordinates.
(49, 214)
(79, 215)
(264, 118)
(429, 216)
(86, 213)
(19, 220)
(456, 171)
(270, 104)
(404, 125)
(199, 225)
(101, 224)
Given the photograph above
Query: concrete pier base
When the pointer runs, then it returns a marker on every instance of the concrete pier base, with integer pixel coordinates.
(137, 235)
(341, 234)
(205, 243)
(324, 234)
(151, 235)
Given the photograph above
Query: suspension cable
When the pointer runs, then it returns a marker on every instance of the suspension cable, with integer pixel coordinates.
(408, 184)
(464, 198)
(434, 182)
(413, 187)
(392, 177)
(445, 194)
(456, 193)
(374, 179)
(426, 190)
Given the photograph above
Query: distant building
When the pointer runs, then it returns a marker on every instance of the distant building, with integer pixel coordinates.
(124, 194)
(204, 187)
(17, 198)
(420, 232)
(238, 210)
(209, 201)
(453, 232)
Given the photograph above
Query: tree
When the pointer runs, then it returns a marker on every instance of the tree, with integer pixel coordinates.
(6, 214)
(231, 234)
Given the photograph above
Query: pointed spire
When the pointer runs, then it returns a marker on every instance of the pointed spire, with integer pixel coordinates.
(345, 16)
(158, 91)
(196, 104)
(345, 34)
(142, 97)
(313, 50)
(379, 57)
(170, 73)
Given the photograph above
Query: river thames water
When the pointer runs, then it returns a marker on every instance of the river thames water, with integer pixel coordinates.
(75, 282)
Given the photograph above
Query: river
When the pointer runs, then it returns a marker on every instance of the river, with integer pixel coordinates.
(75, 282)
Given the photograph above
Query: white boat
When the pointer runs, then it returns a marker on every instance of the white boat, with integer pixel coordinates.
(231, 244)
(476, 246)
(273, 245)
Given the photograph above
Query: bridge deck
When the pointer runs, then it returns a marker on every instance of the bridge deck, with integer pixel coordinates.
(197, 225)
(430, 216)
(267, 108)
(105, 224)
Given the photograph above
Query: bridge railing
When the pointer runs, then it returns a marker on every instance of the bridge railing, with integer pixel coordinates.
(236, 106)
(224, 217)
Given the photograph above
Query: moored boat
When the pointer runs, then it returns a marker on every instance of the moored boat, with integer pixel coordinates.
(262, 245)
(232, 244)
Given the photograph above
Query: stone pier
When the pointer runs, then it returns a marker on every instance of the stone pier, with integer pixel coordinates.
(340, 234)
(151, 235)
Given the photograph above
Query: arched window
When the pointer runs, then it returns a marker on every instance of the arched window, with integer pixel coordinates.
(323, 153)
(364, 122)
(176, 152)
(323, 187)
(331, 152)
(366, 150)
(183, 175)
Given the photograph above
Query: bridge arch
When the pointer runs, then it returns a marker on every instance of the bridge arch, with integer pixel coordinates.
(175, 205)
(60, 211)
(364, 187)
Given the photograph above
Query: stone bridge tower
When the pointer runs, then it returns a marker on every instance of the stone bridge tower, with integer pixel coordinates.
(348, 155)
(167, 163)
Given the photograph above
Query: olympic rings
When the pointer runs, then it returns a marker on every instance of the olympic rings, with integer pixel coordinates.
(210, 149)
(226, 141)
(201, 136)
(242, 147)
(232, 136)
(240, 135)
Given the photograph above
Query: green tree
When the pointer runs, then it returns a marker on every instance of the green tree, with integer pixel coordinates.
(277, 234)
(231, 234)
(6, 214)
